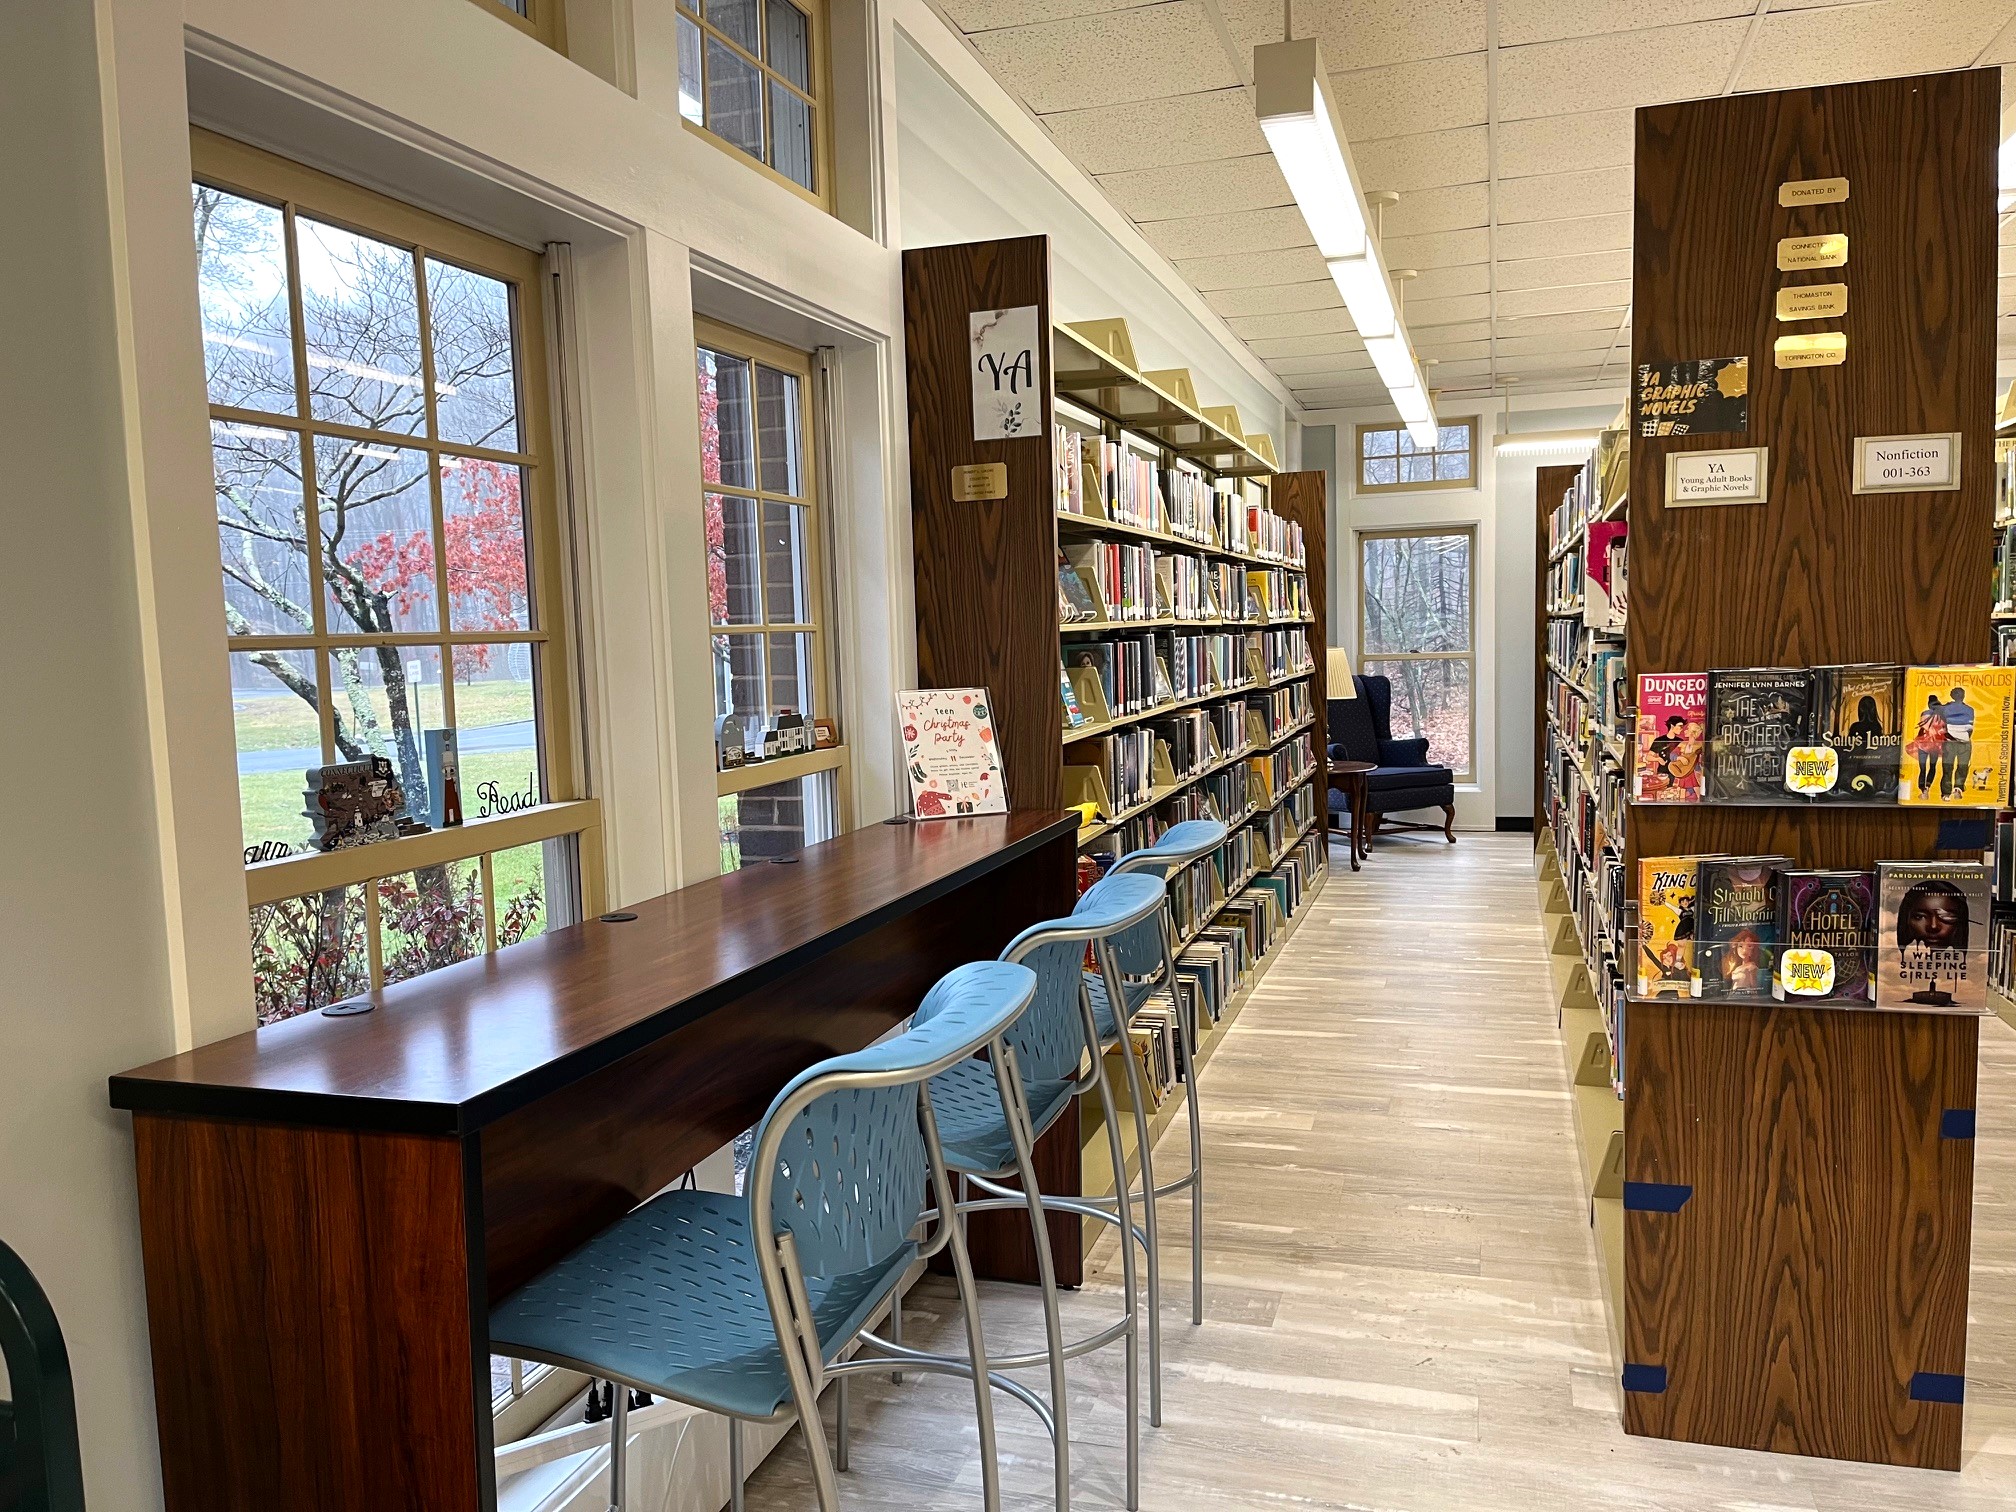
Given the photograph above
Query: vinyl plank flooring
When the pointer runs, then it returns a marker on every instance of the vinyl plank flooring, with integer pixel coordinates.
(1402, 1303)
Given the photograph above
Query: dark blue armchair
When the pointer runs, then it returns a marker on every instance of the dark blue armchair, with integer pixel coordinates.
(1403, 779)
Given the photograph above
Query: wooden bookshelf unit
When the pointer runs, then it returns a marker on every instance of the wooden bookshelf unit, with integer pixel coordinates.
(1195, 654)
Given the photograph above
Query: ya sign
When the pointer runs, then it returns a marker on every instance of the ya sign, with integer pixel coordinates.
(1005, 366)
(1741, 476)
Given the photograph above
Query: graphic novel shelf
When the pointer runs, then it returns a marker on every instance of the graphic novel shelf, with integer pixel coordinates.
(1143, 593)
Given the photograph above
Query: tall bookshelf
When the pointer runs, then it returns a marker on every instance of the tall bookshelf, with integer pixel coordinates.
(1194, 648)
(1787, 1254)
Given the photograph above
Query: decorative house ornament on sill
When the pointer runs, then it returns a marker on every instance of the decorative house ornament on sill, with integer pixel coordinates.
(951, 754)
(1005, 367)
(353, 803)
(730, 752)
(444, 778)
(794, 736)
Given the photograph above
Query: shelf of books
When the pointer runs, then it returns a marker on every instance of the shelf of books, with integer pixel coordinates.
(1179, 620)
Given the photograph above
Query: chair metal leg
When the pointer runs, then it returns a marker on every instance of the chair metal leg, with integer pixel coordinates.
(1046, 1275)
(619, 1444)
(735, 1470)
(840, 1458)
(896, 1328)
(976, 1345)
(1144, 1139)
(1186, 1046)
(1130, 1304)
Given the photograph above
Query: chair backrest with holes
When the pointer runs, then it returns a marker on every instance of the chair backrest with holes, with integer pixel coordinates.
(1137, 948)
(852, 1172)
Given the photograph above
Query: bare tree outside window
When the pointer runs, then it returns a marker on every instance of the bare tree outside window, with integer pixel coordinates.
(1417, 628)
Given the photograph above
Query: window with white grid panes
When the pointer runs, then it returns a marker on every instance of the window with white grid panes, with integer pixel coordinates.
(1390, 461)
(750, 75)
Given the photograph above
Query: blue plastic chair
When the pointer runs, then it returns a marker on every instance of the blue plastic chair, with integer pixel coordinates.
(1055, 1050)
(743, 1305)
(1147, 965)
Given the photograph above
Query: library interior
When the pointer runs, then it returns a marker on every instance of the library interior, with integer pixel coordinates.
(1218, 757)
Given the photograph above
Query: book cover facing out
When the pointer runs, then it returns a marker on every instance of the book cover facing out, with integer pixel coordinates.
(1857, 712)
(1666, 921)
(1826, 935)
(1736, 925)
(1603, 593)
(950, 753)
(1932, 936)
(1672, 722)
(1956, 729)
(1756, 715)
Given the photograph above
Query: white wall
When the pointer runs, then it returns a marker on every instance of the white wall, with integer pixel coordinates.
(1501, 511)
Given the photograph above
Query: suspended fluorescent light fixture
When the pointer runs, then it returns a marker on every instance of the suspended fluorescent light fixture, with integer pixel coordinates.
(1550, 442)
(1292, 94)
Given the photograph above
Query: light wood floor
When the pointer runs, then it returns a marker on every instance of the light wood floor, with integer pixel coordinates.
(1403, 1311)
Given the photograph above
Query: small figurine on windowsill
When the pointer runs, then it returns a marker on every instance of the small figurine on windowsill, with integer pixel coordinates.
(792, 736)
(729, 750)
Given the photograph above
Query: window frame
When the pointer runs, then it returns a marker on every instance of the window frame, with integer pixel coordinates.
(731, 341)
(1360, 486)
(236, 168)
(547, 23)
(1468, 656)
(819, 97)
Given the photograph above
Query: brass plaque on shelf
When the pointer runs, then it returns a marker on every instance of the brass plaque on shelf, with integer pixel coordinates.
(1827, 191)
(1813, 302)
(1829, 251)
(979, 480)
(1820, 349)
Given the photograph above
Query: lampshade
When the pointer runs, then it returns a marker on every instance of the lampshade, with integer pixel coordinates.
(1337, 674)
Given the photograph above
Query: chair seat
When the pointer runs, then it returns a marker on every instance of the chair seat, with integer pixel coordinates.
(670, 1299)
(1137, 994)
(971, 1129)
(1387, 779)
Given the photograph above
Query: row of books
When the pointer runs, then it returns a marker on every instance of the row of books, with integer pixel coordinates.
(1865, 733)
(1282, 768)
(1570, 515)
(1564, 584)
(1130, 486)
(1122, 758)
(1283, 708)
(1277, 593)
(1132, 580)
(1909, 935)
(1132, 674)
(1283, 653)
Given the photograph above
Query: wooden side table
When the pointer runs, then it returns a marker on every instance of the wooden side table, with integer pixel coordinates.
(1349, 777)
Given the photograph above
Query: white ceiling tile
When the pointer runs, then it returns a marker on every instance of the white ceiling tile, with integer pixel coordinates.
(1557, 238)
(2003, 51)
(1558, 322)
(1359, 35)
(1356, 396)
(1566, 143)
(1454, 207)
(1444, 283)
(1548, 272)
(1880, 40)
(1430, 312)
(1566, 341)
(1227, 185)
(1189, 128)
(1524, 21)
(1317, 294)
(1294, 323)
(2005, 260)
(991, 15)
(1213, 235)
(1318, 366)
(1421, 333)
(1245, 271)
(1446, 375)
(1602, 296)
(2005, 295)
(1553, 196)
(1108, 59)
(1307, 346)
(1424, 160)
(1404, 98)
(1443, 250)
(1617, 70)
(1444, 352)
(1554, 365)
(2005, 230)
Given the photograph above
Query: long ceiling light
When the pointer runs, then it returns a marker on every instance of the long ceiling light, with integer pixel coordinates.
(1292, 93)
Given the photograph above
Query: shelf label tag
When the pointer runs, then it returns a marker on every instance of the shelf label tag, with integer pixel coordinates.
(1908, 464)
(1740, 476)
(979, 480)
(1827, 191)
(1813, 302)
(1820, 349)
(1796, 252)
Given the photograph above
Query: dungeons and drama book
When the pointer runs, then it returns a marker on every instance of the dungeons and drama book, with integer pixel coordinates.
(1956, 736)
(1672, 728)
(1666, 924)
(1857, 714)
(1932, 936)
(1736, 914)
(1756, 715)
(1826, 935)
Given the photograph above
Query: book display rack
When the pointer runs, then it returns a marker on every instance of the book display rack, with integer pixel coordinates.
(1142, 591)
(1778, 1132)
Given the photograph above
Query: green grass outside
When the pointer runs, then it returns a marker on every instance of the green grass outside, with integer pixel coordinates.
(275, 721)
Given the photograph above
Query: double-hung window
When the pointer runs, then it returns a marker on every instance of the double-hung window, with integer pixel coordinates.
(750, 75)
(1417, 626)
(390, 552)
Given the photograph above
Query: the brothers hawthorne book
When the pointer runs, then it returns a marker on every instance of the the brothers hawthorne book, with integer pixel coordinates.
(950, 753)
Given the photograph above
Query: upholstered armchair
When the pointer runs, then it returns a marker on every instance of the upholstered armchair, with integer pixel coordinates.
(1403, 779)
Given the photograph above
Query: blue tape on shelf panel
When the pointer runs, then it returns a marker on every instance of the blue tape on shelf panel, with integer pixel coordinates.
(1956, 1123)
(1931, 1386)
(1964, 834)
(1650, 1379)
(1655, 1196)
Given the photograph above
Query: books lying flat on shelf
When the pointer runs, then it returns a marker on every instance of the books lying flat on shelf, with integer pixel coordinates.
(1932, 936)
(1826, 934)
(1756, 715)
(1958, 750)
(1672, 725)
(1666, 921)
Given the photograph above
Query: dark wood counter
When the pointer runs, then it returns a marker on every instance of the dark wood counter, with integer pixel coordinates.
(329, 1207)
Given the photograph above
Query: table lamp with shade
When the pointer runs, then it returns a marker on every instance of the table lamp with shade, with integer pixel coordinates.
(1338, 682)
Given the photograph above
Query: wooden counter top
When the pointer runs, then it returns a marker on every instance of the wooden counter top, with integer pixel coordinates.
(459, 1048)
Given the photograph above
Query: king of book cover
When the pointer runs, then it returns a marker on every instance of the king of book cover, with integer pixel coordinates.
(1956, 748)
(1672, 727)
(1666, 922)
(1756, 715)
(1826, 935)
(1932, 936)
